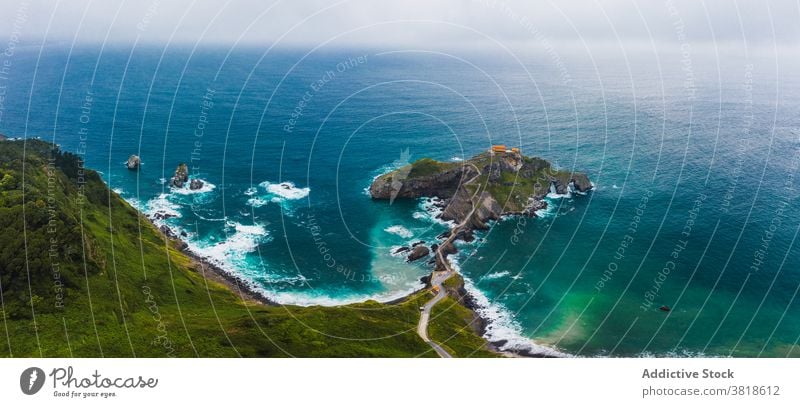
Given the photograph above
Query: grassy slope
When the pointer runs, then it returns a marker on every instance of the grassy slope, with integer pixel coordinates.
(455, 334)
(428, 166)
(135, 294)
(512, 190)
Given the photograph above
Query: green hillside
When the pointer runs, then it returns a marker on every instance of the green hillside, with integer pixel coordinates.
(83, 274)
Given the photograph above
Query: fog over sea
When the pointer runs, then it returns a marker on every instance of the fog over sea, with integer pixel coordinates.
(694, 161)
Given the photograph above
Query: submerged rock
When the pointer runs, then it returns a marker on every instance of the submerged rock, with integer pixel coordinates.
(133, 162)
(181, 176)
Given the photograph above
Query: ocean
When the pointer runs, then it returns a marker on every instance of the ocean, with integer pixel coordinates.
(693, 157)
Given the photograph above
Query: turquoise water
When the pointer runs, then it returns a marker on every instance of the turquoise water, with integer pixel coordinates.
(694, 207)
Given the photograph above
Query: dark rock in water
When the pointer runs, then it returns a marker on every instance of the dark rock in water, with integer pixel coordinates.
(162, 216)
(443, 235)
(166, 231)
(560, 187)
(195, 184)
(405, 184)
(418, 243)
(450, 248)
(426, 279)
(183, 234)
(401, 250)
(417, 253)
(434, 247)
(465, 235)
(181, 176)
(581, 182)
(133, 162)
(665, 308)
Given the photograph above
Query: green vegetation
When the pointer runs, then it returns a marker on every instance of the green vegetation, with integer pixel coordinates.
(453, 283)
(452, 324)
(428, 166)
(451, 327)
(83, 274)
(512, 189)
(510, 178)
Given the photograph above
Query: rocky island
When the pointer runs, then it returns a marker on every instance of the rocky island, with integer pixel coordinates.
(483, 188)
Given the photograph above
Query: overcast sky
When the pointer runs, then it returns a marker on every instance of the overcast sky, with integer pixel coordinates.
(405, 23)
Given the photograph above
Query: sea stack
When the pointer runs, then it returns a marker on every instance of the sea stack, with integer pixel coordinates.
(133, 162)
(181, 176)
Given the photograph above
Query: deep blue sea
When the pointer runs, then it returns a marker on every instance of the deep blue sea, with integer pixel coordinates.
(694, 162)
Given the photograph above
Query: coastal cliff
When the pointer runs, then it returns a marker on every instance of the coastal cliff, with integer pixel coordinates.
(91, 272)
(494, 183)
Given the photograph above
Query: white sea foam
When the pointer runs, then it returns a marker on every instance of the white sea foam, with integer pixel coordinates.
(399, 230)
(307, 299)
(555, 195)
(502, 326)
(456, 159)
(496, 275)
(431, 211)
(135, 203)
(284, 191)
(548, 211)
(251, 191)
(163, 206)
(678, 353)
(230, 253)
(257, 202)
(256, 230)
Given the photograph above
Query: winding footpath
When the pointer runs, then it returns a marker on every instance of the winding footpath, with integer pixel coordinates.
(439, 277)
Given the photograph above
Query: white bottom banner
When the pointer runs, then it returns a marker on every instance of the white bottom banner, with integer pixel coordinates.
(379, 382)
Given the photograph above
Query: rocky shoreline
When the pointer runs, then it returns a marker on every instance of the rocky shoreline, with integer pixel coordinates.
(480, 323)
(470, 209)
(249, 293)
(471, 194)
(210, 270)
